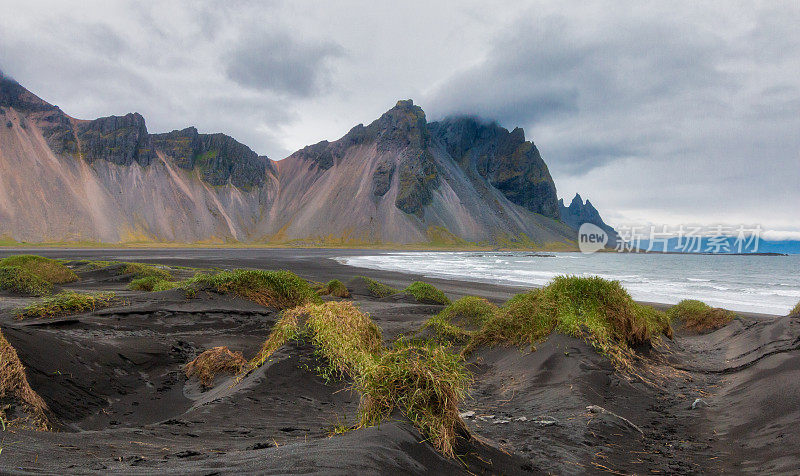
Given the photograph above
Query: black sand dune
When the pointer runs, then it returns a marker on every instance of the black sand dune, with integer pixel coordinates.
(114, 382)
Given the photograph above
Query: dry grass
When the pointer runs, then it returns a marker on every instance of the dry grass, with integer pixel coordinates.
(698, 316)
(278, 289)
(65, 304)
(335, 288)
(796, 310)
(213, 362)
(426, 383)
(14, 386)
(47, 269)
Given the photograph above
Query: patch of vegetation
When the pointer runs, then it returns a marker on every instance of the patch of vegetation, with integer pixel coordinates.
(278, 289)
(426, 293)
(213, 362)
(152, 284)
(377, 289)
(141, 270)
(48, 269)
(66, 303)
(596, 310)
(698, 316)
(14, 386)
(335, 288)
(796, 310)
(426, 382)
(19, 280)
(459, 321)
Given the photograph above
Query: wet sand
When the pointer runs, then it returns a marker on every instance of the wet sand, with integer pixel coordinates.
(114, 381)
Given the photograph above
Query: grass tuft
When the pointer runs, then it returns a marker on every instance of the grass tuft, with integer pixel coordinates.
(795, 311)
(213, 362)
(426, 293)
(141, 270)
(426, 383)
(458, 322)
(278, 289)
(377, 289)
(47, 269)
(698, 316)
(152, 284)
(65, 304)
(335, 288)
(19, 280)
(596, 310)
(14, 386)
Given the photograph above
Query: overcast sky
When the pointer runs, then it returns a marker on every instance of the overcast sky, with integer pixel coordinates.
(659, 112)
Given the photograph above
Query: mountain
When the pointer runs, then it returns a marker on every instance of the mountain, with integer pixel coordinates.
(400, 179)
(579, 212)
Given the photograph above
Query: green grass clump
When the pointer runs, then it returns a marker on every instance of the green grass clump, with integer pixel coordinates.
(152, 284)
(47, 269)
(278, 289)
(378, 289)
(460, 320)
(426, 293)
(698, 316)
(796, 310)
(140, 270)
(425, 382)
(22, 281)
(335, 288)
(596, 310)
(65, 304)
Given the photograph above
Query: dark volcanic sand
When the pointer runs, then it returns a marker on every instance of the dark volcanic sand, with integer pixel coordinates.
(114, 381)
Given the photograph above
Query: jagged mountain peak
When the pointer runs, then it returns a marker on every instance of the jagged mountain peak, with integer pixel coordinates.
(398, 179)
(579, 212)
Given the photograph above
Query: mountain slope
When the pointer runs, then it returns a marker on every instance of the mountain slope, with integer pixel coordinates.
(398, 180)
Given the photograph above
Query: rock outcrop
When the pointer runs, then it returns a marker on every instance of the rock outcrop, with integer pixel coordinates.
(579, 212)
(218, 157)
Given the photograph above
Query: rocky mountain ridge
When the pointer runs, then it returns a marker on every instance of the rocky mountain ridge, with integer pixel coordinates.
(400, 179)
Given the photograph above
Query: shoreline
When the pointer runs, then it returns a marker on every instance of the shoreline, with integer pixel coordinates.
(317, 264)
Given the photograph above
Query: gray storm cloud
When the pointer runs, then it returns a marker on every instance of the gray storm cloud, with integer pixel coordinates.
(277, 63)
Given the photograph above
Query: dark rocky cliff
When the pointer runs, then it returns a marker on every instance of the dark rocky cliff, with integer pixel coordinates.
(218, 157)
(509, 162)
(121, 140)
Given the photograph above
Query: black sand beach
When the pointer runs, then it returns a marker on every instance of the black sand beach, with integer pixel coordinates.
(114, 380)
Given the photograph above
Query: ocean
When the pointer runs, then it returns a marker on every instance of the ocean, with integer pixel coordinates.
(764, 284)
